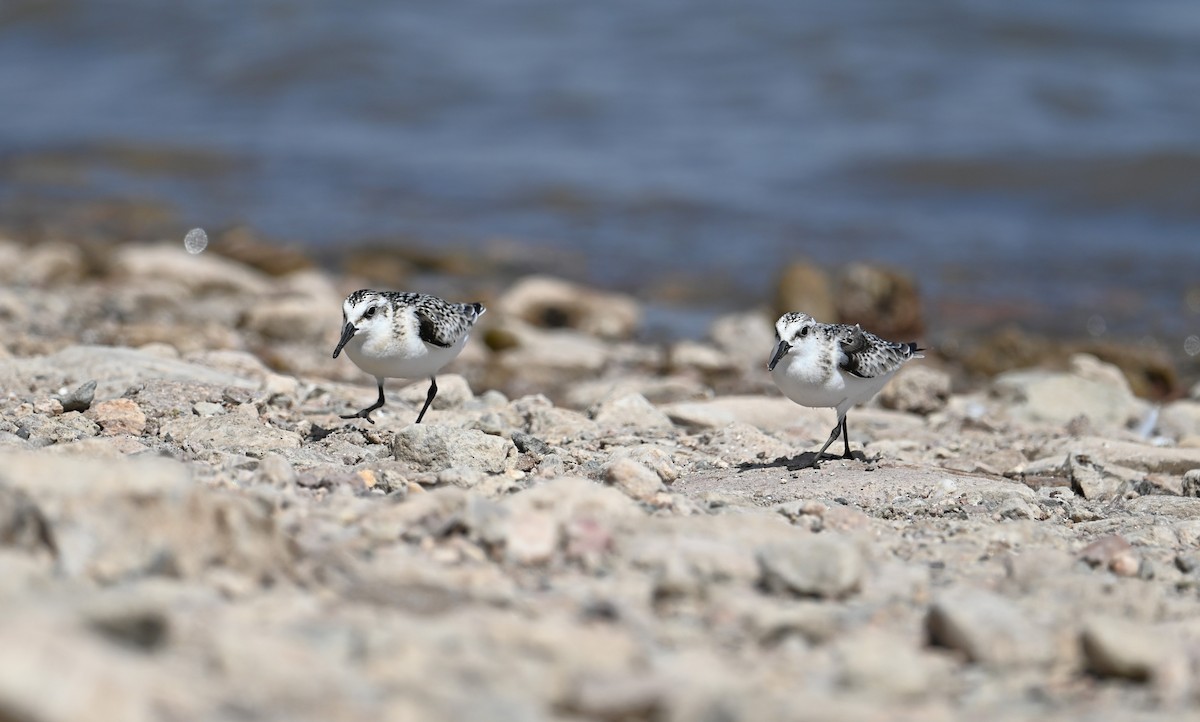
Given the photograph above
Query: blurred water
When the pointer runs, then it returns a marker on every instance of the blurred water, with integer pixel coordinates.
(1002, 150)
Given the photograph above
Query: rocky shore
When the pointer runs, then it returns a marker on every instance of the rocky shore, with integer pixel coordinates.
(586, 527)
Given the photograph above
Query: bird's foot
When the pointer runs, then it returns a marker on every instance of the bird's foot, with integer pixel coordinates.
(364, 414)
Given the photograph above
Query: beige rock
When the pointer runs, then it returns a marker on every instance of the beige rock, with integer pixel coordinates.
(917, 389)
(885, 664)
(989, 629)
(1180, 419)
(1116, 454)
(695, 355)
(633, 478)
(823, 565)
(1113, 553)
(1093, 389)
(118, 416)
(746, 337)
(200, 273)
(553, 303)
(769, 413)
(532, 537)
(881, 300)
(631, 411)
(1119, 648)
(804, 287)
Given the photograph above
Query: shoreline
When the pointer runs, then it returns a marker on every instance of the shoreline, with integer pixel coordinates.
(585, 527)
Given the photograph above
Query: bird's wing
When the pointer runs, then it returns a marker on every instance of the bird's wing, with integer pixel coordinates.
(866, 355)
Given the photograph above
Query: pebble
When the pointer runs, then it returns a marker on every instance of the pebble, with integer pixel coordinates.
(119, 416)
(633, 478)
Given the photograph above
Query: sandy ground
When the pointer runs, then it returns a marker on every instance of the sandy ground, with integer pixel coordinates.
(584, 528)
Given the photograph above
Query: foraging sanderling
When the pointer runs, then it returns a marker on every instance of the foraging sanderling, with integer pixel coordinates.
(390, 334)
(833, 365)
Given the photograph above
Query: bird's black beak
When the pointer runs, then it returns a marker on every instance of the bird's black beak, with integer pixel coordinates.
(347, 334)
(780, 351)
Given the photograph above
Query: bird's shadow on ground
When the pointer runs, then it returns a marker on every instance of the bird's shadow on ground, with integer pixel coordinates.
(799, 461)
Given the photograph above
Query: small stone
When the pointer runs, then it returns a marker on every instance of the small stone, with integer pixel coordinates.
(48, 407)
(633, 478)
(1191, 483)
(820, 565)
(119, 416)
(1090, 480)
(80, 399)
(1112, 552)
(530, 444)
(442, 447)
(207, 408)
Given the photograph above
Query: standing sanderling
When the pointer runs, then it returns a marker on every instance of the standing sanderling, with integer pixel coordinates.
(390, 334)
(833, 365)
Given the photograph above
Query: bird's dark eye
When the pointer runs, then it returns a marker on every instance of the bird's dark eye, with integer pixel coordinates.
(370, 312)
(803, 332)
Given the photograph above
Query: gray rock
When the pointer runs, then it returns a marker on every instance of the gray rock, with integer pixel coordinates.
(114, 369)
(530, 444)
(989, 629)
(633, 478)
(41, 430)
(80, 399)
(436, 447)
(631, 411)
(1116, 455)
(821, 565)
(1091, 480)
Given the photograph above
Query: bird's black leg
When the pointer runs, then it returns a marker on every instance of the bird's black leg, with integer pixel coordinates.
(837, 429)
(366, 413)
(428, 397)
(846, 439)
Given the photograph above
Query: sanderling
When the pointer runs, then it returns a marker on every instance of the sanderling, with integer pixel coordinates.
(833, 365)
(390, 334)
